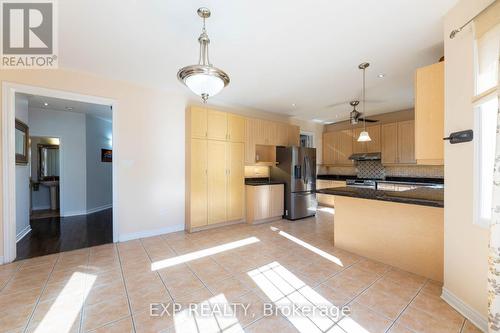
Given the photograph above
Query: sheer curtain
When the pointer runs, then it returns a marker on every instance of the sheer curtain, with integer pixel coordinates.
(487, 33)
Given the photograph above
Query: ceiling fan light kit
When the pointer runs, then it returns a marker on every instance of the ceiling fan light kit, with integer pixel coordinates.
(364, 136)
(203, 79)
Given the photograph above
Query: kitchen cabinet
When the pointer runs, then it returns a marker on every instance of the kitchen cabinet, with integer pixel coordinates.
(250, 140)
(293, 135)
(235, 181)
(344, 148)
(235, 128)
(198, 196)
(373, 146)
(197, 118)
(328, 148)
(406, 142)
(217, 181)
(217, 125)
(389, 143)
(429, 114)
(281, 137)
(370, 146)
(327, 199)
(264, 203)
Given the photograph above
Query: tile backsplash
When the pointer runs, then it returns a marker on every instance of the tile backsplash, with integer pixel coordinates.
(256, 171)
(371, 170)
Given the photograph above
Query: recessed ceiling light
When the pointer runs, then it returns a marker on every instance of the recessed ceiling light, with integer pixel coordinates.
(294, 105)
(45, 104)
(381, 75)
(68, 108)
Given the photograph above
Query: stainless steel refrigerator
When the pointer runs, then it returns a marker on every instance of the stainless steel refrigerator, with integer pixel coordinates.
(297, 169)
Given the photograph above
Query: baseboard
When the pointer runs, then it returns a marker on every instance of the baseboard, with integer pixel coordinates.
(86, 212)
(151, 233)
(465, 310)
(41, 207)
(23, 233)
(98, 209)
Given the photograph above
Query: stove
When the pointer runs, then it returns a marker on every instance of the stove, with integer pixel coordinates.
(362, 183)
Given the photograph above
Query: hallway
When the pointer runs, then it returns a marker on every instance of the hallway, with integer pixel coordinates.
(59, 234)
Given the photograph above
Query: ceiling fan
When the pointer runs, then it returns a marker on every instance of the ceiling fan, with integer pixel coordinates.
(355, 115)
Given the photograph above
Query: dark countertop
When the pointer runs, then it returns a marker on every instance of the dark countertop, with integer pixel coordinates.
(336, 177)
(405, 180)
(424, 196)
(262, 181)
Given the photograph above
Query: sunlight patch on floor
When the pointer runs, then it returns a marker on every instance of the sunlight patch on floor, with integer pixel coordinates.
(212, 315)
(202, 253)
(312, 248)
(65, 310)
(307, 310)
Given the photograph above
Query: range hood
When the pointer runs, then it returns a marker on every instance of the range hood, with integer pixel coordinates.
(366, 157)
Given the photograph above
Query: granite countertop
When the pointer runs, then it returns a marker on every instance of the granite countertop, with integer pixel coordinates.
(336, 177)
(261, 181)
(424, 196)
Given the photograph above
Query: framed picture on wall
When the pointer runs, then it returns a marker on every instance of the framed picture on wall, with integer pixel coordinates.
(106, 155)
(22, 142)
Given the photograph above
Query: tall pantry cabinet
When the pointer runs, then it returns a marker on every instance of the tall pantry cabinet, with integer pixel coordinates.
(215, 184)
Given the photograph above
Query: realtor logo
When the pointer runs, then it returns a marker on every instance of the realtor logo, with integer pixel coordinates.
(28, 34)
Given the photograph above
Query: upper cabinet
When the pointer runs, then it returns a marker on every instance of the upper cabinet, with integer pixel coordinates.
(429, 114)
(217, 125)
(337, 147)
(398, 142)
(235, 128)
(367, 147)
(293, 135)
(198, 121)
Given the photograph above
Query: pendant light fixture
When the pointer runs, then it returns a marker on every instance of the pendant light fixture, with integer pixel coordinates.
(364, 136)
(203, 79)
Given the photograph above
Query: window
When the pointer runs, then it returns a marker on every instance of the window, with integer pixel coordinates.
(306, 140)
(486, 106)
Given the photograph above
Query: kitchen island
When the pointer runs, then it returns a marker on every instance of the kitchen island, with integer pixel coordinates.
(399, 228)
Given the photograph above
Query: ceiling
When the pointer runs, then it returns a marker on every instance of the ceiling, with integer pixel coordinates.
(278, 53)
(58, 104)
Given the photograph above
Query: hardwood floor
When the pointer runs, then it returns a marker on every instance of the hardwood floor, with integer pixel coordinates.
(59, 234)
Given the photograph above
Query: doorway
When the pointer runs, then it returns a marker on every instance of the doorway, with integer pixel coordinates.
(64, 188)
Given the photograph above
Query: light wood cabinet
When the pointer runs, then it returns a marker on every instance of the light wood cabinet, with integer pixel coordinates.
(197, 118)
(236, 181)
(327, 199)
(293, 135)
(281, 137)
(250, 140)
(277, 200)
(217, 181)
(390, 143)
(406, 142)
(344, 148)
(429, 114)
(264, 203)
(372, 146)
(235, 128)
(328, 148)
(217, 125)
(198, 198)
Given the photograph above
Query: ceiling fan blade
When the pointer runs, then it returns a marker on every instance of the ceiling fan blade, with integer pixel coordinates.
(368, 120)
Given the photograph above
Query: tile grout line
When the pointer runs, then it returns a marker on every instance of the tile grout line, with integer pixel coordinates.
(10, 278)
(41, 293)
(84, 300)
(409, 303)
(125, 286)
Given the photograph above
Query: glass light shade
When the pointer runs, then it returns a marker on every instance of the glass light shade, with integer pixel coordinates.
(200, 84)
(364, 137)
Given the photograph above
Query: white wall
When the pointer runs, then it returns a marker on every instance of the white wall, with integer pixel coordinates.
(22, 175)
(99, 174)
(69, 127)
(466, 245)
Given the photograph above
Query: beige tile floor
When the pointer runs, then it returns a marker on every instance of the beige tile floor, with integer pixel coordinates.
(110, 288)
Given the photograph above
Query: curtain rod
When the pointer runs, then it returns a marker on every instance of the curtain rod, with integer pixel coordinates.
(454, 32)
